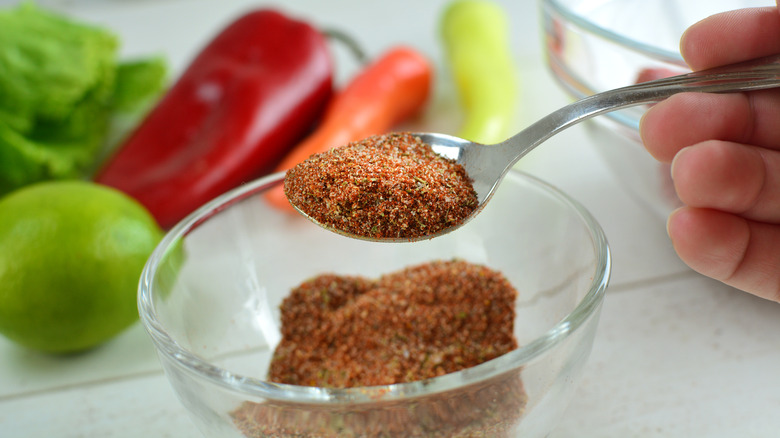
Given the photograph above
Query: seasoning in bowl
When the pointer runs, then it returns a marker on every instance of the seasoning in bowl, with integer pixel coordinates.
(384, 186)
(423, 321)
(420, 322)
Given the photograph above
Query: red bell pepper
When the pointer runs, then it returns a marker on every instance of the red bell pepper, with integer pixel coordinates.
(250, 95)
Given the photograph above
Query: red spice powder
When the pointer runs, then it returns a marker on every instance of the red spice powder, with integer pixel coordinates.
(490, 409)
(420, 322)
(385, 186)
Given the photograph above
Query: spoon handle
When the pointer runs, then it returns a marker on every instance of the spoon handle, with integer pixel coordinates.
(755, 74)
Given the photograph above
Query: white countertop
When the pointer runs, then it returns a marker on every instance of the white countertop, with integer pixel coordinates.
(676, 354)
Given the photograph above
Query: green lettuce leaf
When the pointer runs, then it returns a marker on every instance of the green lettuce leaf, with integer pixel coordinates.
(61, 85)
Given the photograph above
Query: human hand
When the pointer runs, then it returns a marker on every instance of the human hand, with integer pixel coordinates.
(725, 155)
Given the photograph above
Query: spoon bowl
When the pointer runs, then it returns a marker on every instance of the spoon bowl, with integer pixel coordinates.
(487, 165)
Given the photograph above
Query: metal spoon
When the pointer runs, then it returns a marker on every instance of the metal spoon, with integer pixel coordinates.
(488, 164)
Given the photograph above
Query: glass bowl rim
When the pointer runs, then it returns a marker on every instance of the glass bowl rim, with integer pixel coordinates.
(590, 26)
(251, 386)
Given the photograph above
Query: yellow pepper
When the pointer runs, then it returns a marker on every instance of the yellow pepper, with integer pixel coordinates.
(475, 36)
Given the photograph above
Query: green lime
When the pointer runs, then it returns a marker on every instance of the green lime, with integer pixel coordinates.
(71, 255)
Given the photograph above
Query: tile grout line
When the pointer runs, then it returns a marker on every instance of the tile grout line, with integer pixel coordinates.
(113, 379)
(80, 385)
(636, 284)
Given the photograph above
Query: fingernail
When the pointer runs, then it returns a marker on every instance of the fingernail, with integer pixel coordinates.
(669, 221)
(674, 161)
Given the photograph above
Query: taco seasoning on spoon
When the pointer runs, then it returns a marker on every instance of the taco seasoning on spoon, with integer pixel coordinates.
(384, 186)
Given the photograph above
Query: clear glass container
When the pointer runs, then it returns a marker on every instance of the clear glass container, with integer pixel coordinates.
(209, 298)
(594, 46)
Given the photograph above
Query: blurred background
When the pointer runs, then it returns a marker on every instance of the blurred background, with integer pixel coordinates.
(676, 355)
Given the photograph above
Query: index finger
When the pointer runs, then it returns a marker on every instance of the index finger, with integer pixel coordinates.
(690, 118)
(731, 37)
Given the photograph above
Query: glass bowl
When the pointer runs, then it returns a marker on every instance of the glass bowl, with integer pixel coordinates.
(594, 46)
(209, 298)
